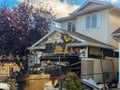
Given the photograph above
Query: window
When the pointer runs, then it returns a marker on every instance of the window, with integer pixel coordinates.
(92, 21)
(71, 26)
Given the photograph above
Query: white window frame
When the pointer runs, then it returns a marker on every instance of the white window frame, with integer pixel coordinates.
(72, 26)
(90, 23)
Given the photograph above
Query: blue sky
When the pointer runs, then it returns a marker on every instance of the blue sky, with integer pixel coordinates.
(63, 7)
(11, 3)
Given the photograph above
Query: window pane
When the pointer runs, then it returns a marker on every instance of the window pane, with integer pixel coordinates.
(73, 26)
(69, 26)
(94, 20)
(88, 21)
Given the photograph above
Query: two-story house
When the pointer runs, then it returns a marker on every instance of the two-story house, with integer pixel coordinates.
(95, 19)
(87, 33)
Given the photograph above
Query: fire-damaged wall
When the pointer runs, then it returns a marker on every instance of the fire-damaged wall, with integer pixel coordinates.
(57, 43)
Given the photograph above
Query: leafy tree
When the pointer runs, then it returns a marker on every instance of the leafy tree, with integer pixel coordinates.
(22, 26)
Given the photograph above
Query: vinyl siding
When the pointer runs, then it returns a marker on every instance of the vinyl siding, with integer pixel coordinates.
(64, 25)
(101, 33)
(114, 24)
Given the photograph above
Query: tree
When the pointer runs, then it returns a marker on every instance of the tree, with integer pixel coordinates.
(22, 26)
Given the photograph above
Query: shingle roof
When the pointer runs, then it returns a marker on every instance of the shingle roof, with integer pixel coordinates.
(116, 34)
(86, 38)
(116, 31)
(81, 11)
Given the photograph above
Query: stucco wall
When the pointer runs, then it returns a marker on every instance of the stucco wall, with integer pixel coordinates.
(114, 25)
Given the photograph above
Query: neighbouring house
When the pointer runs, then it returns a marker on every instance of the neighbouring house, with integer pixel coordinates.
(86, 32)
(7, 67)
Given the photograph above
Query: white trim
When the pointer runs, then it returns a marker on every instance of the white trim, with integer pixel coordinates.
(36, 47)
(86, 51)
(98, 21)
(42, 38)
(79, 39)
(119, 66)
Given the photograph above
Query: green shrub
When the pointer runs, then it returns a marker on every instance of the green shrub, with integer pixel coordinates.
(71, 81)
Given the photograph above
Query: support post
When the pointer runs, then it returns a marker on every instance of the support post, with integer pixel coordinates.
(119, 68)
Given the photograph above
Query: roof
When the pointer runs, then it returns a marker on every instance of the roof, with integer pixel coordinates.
(116, 34)
(80, 37)
(90, 44)
(81, 11)
(91, 1)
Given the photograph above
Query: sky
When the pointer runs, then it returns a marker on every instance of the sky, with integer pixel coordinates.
(62, 7)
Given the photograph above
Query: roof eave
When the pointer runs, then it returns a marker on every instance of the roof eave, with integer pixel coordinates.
(90, 44)
(59, 20)
(74, 14)
(93, 9)
(36, 48)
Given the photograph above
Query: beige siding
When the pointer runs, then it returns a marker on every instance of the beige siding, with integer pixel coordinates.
(64, 25)
(101, 33)
(114, 24)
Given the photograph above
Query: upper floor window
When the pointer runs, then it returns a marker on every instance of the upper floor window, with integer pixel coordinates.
(71, 26)
(92, 21)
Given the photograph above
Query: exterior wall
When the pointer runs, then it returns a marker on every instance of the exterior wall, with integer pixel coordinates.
(64, 25)
(114, 25)
(5, 68)
(101, 33)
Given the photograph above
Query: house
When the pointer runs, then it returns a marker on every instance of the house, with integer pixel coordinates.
(95, 19)
(86, 32)
(7, 67)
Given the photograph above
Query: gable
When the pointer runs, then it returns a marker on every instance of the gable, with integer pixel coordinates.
(57, 38)
(87, 7)
(90, 6)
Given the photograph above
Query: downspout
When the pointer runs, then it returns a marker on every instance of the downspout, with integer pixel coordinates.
(108, 36)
